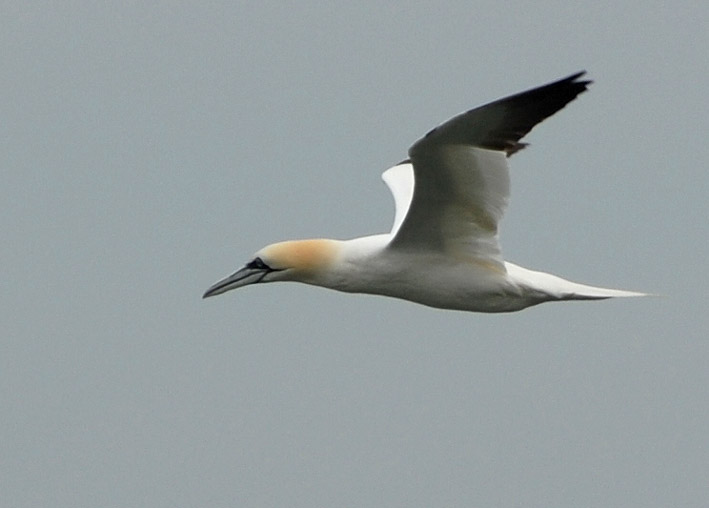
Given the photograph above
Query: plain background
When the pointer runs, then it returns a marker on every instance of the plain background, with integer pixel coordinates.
(149, 148)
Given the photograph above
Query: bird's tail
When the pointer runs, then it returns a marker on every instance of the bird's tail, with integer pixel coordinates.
(562, 289)
(584, 292)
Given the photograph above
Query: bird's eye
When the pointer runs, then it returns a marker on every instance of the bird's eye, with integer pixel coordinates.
(258, 264)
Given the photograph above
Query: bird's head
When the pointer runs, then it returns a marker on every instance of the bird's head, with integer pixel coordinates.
(296, 260)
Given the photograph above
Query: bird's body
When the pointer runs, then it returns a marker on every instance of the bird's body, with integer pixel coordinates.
(366, 265)
(443, 249)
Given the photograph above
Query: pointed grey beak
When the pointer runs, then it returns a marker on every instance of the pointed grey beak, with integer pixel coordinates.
(243, 277)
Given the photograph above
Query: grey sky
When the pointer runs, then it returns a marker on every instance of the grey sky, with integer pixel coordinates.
(148, 150)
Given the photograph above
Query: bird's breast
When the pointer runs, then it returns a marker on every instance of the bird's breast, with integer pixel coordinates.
(433, 280)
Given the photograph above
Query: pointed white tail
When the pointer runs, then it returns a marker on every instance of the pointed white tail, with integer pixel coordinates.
(562, 289)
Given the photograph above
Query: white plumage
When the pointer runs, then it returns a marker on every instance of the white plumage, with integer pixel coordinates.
(443, 249)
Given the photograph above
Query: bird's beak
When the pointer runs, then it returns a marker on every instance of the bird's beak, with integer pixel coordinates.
(241, 278)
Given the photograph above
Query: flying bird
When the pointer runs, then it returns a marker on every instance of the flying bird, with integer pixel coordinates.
(443, 249)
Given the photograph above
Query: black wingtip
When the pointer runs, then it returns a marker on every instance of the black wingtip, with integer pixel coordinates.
(500, 125)
(573, 79)
(526, 109)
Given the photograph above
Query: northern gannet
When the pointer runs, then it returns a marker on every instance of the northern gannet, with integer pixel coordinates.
(443, 249)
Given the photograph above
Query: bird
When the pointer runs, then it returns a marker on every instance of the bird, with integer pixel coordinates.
(443, 250)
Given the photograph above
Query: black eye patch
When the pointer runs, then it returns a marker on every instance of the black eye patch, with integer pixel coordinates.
(258, 264)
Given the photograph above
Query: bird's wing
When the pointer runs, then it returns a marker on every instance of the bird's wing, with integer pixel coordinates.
(400, 180)
(461, 175)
